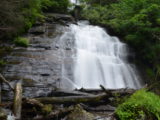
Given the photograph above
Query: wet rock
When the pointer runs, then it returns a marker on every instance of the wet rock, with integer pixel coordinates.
(47, 47)
(40, 65)
(38, 23)
(45, 74)
(28, 82)
(52, 17)
(68, 48)
(80, 114)
(37, 30)
(47, 109)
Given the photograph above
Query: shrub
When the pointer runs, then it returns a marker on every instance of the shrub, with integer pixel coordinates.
(142, 105)
(21, 41)
(2, 62)
(60, 6)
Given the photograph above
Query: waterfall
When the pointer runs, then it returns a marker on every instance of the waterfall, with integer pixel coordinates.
(76, 2)
(101, 59)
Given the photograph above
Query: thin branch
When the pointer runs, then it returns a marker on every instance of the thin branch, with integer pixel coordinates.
(5, 81)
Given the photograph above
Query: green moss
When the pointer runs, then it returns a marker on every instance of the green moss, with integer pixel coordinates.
(21, 41)
(2, 62)
(142, 105)
(47, 109)
(158, 21)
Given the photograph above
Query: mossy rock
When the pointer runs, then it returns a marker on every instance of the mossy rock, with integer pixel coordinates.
(47, 109)
(21, 41)
(3, 115)
(80, 114)
(28, 82)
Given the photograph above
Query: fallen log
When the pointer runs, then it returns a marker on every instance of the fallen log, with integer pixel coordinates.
(33, 102)
(109, 92)
(85, 97)
(91, 91)
(59, 93)
(72, 99)
(17, 105)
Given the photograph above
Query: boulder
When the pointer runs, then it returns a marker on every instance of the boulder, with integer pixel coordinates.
(3, 115)
(80, 114)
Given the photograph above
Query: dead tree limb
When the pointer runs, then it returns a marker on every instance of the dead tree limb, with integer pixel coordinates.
(59, 93)
(109, 92)
(5, 81)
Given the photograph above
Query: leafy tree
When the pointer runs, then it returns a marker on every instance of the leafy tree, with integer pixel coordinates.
(17, 16)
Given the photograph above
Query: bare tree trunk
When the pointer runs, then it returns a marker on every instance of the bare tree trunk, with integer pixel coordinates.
(17, 101)
(0, 92)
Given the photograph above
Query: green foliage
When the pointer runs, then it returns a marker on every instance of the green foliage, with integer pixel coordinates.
(2, 63)
(142, 105)
(60, 6)
(20, 41)
(17, 16)
(47, 109)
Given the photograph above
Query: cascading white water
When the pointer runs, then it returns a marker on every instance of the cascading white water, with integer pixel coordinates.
(101, 59)
(74, 1)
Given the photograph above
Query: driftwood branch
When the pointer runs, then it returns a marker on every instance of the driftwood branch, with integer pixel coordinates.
(5, 81)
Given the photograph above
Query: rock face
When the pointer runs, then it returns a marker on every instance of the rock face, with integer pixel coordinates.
(39, 66)
(61, 18)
